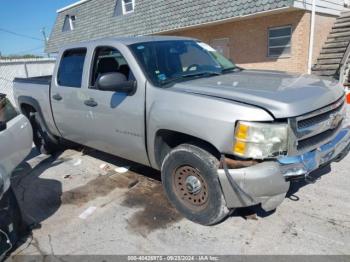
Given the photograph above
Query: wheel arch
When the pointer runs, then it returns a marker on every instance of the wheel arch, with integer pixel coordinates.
(29, 105)
(165, 140)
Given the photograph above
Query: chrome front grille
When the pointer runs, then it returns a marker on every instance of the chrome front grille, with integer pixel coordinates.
(317, 139)
(308, 122)
(317, 128)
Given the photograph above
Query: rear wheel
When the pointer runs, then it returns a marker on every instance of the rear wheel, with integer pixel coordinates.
(189, 176)
(41, 138)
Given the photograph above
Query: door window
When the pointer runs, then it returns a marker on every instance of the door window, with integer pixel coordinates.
(109, 60)
(7, 111)
(71, 68)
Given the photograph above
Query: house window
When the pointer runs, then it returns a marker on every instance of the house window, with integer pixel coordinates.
(280, 41)
(124, 7)
(69, 23)
(128, 6)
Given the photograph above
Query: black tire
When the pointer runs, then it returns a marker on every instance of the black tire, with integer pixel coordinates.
(10, 217)
(207, 206)
(41, 138)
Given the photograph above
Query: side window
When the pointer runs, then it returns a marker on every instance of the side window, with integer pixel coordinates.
(7, 111)
(109, 60)
(71, 68)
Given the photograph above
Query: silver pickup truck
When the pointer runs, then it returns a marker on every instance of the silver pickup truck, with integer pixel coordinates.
(222, 137)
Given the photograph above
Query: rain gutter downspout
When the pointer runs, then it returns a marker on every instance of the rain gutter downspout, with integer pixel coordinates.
(312, 37)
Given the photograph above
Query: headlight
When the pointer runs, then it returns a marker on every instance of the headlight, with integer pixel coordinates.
(260, 140)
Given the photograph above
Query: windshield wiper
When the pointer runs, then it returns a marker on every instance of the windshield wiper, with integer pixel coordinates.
(229, 69)
(186, 76)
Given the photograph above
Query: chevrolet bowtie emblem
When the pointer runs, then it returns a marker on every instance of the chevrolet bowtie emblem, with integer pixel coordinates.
(334, 120)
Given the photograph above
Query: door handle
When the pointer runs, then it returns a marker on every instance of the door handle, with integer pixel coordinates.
(57, 97)
(90, 103)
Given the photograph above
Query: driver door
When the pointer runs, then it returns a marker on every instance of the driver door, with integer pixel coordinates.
(117, 124)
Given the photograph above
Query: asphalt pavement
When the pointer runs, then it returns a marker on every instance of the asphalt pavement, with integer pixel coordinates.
(84, 202)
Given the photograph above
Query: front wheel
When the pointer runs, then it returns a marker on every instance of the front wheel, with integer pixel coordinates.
(190, 179)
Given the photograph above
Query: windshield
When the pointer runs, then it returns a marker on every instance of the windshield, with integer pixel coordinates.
(167, 62)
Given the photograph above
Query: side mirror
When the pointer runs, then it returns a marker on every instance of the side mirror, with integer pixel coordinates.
(116, 82)
(3, 126)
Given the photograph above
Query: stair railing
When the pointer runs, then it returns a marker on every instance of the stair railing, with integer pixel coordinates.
(346, 74)
(343, 65)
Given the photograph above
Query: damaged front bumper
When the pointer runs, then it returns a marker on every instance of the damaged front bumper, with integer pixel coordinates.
(267, 183)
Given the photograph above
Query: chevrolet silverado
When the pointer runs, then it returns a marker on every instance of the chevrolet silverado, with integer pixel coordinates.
(222, 137)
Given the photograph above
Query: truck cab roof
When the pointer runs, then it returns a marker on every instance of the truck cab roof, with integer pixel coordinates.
(127, 40)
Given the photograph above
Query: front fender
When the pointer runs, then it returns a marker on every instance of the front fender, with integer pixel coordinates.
(210, 119)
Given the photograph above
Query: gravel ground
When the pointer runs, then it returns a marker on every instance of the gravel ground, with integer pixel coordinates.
(132, 216)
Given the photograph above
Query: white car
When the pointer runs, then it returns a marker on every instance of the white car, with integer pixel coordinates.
(16, 139)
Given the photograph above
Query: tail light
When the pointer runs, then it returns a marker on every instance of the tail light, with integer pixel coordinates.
(348, 96)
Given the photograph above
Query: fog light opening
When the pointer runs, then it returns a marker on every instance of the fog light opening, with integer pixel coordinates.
(237, 164)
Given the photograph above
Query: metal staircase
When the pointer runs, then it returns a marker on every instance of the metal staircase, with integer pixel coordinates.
(334, 59)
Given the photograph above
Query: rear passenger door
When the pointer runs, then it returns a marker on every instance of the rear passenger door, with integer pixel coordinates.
(67, 95)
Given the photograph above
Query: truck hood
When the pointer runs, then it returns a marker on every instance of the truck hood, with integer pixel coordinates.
(282, 94)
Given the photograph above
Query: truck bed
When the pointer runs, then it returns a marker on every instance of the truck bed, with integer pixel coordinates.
(37, 89)
(40, 80)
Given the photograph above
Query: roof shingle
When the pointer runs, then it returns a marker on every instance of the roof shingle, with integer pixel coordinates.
(95, 18)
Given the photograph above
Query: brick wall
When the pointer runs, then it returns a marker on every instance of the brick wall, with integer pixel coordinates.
(249, 39)
(323, 26)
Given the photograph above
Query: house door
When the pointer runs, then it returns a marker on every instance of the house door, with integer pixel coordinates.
(222, 45)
